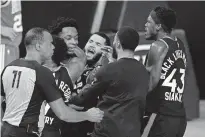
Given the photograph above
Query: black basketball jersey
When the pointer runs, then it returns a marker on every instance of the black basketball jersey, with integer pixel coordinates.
(168, 94)
(88, 74)
(82, 129)
(64, 83)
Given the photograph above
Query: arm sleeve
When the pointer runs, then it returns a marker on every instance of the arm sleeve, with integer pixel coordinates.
(47, 85)
(97, 88)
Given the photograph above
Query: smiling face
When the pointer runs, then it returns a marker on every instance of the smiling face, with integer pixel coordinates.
(93, 46)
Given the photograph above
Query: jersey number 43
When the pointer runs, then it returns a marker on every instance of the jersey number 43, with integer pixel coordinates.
(172, 83)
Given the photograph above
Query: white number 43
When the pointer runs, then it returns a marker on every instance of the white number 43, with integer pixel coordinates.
(169, 82)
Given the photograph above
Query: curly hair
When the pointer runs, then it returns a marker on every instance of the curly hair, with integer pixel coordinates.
(166, 17)
(61, 23)
(60, 51)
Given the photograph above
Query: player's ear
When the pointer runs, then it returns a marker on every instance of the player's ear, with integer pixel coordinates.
(158, 26)
(38, 46)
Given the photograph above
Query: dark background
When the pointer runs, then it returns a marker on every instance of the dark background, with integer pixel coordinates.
(190, 18)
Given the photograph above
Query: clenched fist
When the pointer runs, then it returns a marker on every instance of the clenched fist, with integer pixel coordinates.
(95, 115)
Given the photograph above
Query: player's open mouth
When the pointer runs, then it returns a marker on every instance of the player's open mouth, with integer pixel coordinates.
(92, 51)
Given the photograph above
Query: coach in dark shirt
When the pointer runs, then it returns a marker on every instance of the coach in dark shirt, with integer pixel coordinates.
(122, 88)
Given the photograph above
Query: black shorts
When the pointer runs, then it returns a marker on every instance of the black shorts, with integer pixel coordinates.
(51, 133)
(8, 130)
(81, 129)
(168, 126)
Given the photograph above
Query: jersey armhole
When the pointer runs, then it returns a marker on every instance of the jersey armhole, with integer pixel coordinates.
(164, 42)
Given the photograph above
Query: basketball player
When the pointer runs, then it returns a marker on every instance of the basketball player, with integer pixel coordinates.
(67, 29)
(60, 72)
(166, 63)
(122, 87)
(97, 50)
(11, 31)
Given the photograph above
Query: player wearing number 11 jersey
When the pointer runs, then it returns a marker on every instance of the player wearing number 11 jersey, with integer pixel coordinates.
(166, 64)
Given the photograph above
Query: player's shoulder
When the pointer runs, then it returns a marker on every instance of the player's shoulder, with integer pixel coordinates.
(158, 44)
(23, 63)
(158, 47)
(63, 70)
(43, 71)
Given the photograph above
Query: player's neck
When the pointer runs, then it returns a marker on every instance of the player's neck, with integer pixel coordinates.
(125, 54)
(32, 56)
(50, 64)
(162, 35)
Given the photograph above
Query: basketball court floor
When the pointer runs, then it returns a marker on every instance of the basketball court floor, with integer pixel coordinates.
(196, 128)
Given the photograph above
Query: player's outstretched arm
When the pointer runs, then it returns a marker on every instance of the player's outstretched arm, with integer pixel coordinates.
(68, 114)
(157, 53)
(53, 97)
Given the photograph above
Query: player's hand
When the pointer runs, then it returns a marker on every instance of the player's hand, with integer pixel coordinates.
(9, 33)
(76, 107)
(95, 115)
(108, 52)
(78, 52)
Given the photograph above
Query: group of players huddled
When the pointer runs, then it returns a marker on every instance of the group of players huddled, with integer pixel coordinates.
(106, 91)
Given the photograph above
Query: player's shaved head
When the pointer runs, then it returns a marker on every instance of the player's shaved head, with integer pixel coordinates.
(34, 36)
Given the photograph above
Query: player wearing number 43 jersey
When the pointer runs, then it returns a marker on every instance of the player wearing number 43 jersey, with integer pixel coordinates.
(166, 63)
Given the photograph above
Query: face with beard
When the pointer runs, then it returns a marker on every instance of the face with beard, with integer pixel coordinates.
(93, 47)
(150, 29)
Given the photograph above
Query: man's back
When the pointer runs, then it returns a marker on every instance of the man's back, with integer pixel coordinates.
(124, 100)
(167, 97)
(22, 83)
